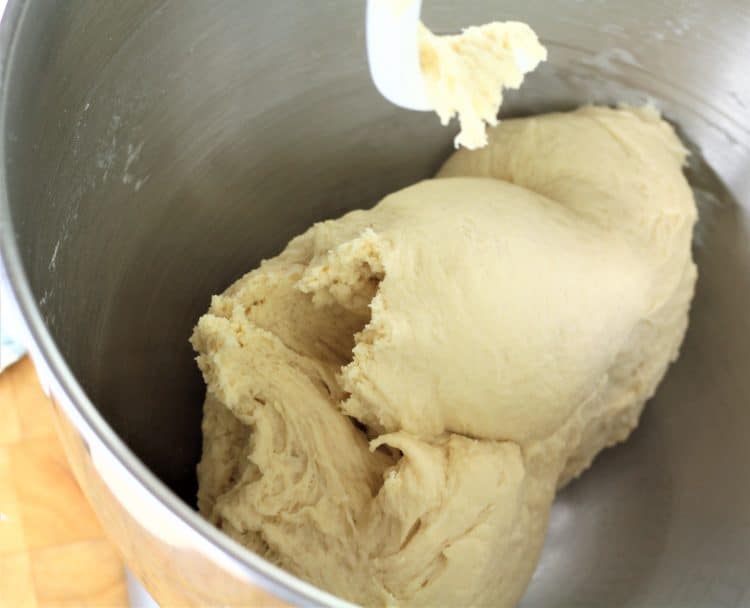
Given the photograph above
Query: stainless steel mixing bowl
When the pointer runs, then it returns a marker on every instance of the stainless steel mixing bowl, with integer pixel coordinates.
(154, 150)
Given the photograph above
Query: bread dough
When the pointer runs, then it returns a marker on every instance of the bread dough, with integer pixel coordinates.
(465, 74)
(394, 399)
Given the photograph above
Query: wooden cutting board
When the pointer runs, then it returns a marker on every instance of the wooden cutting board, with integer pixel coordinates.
(53, 552)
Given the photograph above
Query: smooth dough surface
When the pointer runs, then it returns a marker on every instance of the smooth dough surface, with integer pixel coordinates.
(394, 399)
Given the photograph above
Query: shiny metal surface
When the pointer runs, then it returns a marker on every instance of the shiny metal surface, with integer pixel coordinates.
(152, 151)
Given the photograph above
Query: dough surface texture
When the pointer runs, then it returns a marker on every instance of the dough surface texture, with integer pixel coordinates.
(393, 401)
